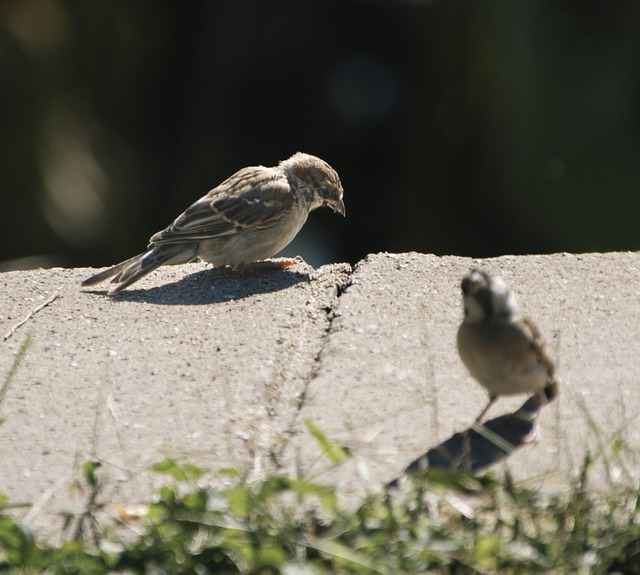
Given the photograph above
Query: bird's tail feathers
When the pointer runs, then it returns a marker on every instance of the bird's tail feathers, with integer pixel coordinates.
(109, 272)
(130, 271)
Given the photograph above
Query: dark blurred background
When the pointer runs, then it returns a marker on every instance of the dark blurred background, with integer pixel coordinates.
(457, 126)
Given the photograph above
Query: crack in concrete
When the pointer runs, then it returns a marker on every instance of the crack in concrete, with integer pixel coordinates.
(298, 362)
(345, 280)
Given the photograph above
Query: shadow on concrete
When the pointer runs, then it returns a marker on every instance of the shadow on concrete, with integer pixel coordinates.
(479, 446)
(214, 285)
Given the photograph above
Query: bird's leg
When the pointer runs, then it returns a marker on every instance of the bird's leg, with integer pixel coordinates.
(492, 399)
(464, 458)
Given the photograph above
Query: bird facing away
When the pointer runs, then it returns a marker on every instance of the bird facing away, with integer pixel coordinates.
(249, 217)
(503, 349)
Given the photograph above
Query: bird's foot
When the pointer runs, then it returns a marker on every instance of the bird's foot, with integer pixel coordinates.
(277, 264)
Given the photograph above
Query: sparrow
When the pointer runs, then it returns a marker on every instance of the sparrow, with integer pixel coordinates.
(502, 348)
(249, 217)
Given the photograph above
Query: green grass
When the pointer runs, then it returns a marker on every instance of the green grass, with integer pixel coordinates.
(440, 522)
(24, 347)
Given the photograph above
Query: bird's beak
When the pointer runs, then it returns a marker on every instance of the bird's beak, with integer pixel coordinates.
(337, 206)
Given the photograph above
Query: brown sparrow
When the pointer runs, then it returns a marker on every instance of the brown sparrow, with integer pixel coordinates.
(503, 349)
(249, 217)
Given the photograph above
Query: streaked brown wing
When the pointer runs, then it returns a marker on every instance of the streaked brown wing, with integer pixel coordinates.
(539, 346)
(253, 198)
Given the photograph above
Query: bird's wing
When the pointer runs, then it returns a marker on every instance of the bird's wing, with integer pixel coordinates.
(252, 199)
(539, 346)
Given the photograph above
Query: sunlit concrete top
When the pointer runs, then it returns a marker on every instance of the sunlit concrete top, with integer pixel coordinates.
(223, 368)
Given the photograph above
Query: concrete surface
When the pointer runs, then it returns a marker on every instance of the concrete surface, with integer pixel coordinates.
(222, 368)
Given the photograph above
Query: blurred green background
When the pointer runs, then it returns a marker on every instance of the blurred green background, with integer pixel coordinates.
(468, 127)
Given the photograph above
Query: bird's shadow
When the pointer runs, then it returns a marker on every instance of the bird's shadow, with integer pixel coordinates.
(214, 285)
(479, 446)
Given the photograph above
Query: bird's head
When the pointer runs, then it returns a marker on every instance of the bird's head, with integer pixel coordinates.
(318, 178)
(487, 297)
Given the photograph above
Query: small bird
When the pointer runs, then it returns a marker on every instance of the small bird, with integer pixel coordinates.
(249, 217)
(503, 349)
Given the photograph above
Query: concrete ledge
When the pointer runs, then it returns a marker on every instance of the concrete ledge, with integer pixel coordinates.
(223, 368)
